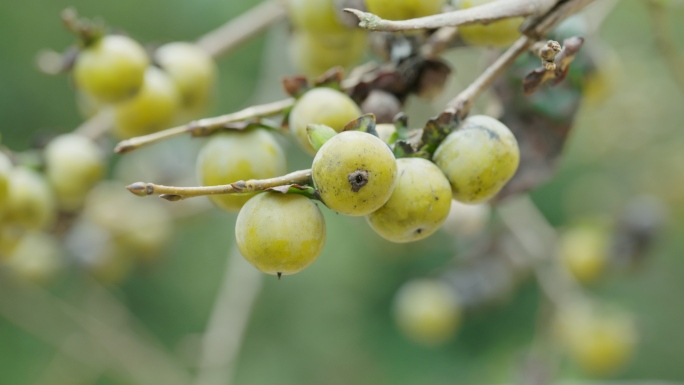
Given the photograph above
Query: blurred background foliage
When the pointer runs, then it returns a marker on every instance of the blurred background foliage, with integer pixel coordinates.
(332, 324)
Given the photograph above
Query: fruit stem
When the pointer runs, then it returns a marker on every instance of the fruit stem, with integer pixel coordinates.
(481, 14)
(206, 126)
(173, 194)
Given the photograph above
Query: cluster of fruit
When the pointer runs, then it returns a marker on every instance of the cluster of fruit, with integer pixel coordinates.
(67, 210)
(146, 95)
(354, 173)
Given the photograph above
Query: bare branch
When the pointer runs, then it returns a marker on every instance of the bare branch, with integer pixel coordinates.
(242, 28)
(482, 14)
(547, 53)
(229, 318)
(542, 75)
(171, 193)
(207, 125)
(98, 125)
(462, 103)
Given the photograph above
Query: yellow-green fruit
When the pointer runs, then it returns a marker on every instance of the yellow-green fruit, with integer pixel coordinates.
(314, 16)
(600, 344)
(191, 69)
(418, 205)
(584, 250)
(385, 131)
(280, 234)
(5, 171)
(314, 54)
(9, 239)
(36, 258)
(111, 70)
(152, 109)
(31, 201)
(354, 173)
(427, 311)
(478, 159)
(497, 34)
(404, 9)
(321, 106)
(74, 165)
(233, 156)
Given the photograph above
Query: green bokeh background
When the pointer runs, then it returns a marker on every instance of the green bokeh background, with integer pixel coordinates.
(331, 324)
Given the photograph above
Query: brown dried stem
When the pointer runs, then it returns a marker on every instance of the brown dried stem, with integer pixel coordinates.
(242, 28)
(482, 14)
(547, 53)
(207, 125)
(662, 32)
(171, 193)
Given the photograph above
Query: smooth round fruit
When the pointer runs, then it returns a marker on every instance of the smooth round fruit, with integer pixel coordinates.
(234, 156)
(314, 54)
(31, 202)
(584, 250)
(354, 173)
(37, 257)
(478, 159)
(9, 240)
(74, 165)
(418, 205)
(152, 109)
(191, 69)
(599, 343)
(497, 34)
(111, 70)
(404, 9)
(314, 16)
(5, 172)
(427, 311)
(321, 106)
(467, 220)
(280, 234)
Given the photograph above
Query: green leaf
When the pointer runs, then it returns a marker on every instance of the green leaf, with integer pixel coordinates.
(365, 123)
(307, 191)
(319, 134)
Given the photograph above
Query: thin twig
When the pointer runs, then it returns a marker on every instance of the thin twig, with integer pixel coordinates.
(98, 125)
(171, 193)
(206, 125)
(547, 53)
(462, 103)
(242, 28)
(662, 32)
(481, 14)
(225, 331)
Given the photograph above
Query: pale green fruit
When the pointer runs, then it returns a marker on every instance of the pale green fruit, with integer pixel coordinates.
(5, 172)
(479, 158)
(314, 54)
(111, 70)
(9, 239)
(191, 69)
(234, 156)
(280, 234)
(315, 16)
(354, 173)
(74, 164)
(385, 131)
(496, 34)
(31, 201)
(584, 251)
(599, 343)
(37, 257)
(404, 9)
(418, 205)
(321, 106)
(152, 109)
(427, 311)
